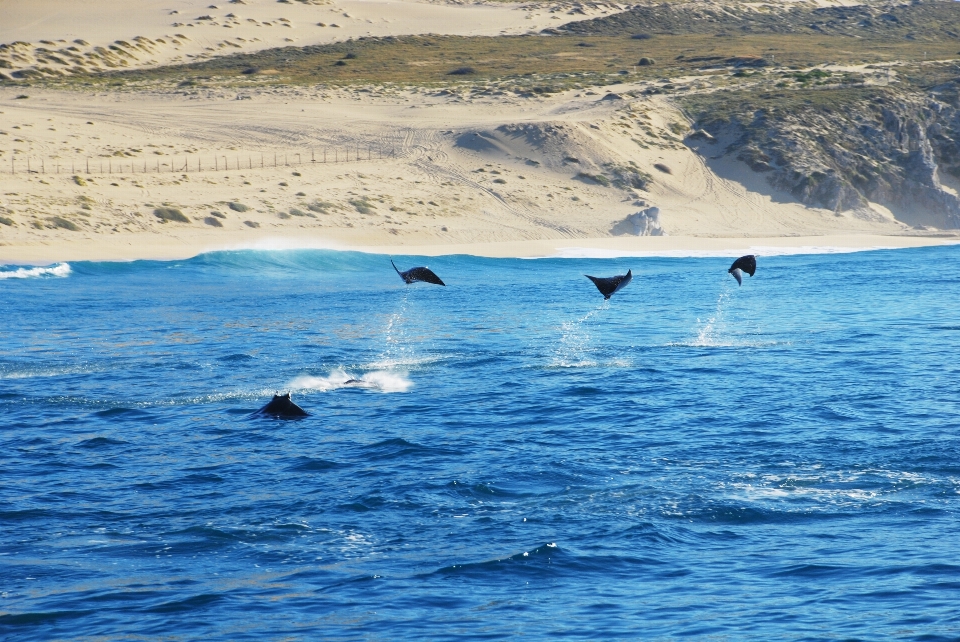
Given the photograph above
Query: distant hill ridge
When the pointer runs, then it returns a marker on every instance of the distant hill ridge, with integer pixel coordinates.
(922, 21)
(830, 142)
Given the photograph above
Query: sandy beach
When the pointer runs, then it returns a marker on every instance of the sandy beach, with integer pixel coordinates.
(172, 247)
(97, 174)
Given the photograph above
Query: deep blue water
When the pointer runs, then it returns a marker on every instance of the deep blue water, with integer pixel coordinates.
(774, 461)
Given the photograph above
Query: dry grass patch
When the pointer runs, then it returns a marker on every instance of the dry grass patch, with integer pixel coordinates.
(536, 64)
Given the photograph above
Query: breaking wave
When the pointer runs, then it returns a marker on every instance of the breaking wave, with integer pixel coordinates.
(59, 270)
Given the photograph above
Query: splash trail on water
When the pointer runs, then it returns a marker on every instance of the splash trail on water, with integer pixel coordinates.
(574, 347)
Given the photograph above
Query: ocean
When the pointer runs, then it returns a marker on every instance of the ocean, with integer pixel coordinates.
(506, 456)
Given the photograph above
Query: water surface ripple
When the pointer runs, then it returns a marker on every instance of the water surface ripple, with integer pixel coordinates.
(516, 457)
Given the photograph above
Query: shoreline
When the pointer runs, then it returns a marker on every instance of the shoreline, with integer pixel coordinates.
(477, 177)
(173, 248)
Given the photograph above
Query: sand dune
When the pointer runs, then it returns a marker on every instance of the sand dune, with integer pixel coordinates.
(435, 169)
(63, 37)
(145, 174)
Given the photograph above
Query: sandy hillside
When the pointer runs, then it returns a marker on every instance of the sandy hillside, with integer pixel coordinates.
(434, 168)
(57, 37)
(480, 168)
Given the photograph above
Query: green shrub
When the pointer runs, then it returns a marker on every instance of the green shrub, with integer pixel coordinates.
(599, 179)
(363, 206)
(170, 214)
(627, 176)
(238, 207)
(64, 224)
(320, 207)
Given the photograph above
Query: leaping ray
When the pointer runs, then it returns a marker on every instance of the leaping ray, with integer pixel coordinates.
(611, 285)
(746, 264)
(418, 274)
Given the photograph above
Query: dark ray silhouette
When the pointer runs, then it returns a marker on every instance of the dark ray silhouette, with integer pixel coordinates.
(610, 285)
(418, 274)
(746, 264)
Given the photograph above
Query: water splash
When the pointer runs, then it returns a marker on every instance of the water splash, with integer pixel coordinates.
(398, 348)
(575, 347)
(383, 376)
(58, 270)
(379, 380)
(711, 330)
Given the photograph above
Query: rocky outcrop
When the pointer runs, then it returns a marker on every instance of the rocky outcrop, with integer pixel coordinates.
(880, 145)
(646, 222)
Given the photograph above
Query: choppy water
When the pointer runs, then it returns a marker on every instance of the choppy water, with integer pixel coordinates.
(777, 461)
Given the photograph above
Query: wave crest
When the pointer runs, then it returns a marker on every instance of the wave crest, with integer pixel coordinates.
(58, 270)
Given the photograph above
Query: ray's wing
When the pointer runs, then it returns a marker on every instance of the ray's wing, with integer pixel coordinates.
(737, 275)
(624, 280)
(602, 284)
(747, 263)
(426, 275)
(398, 271)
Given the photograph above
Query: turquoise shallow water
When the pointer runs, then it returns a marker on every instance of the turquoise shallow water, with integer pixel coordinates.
(776, 461)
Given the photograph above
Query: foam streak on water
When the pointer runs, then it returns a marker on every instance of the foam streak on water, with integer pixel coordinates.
(507, 456)
(381, 380)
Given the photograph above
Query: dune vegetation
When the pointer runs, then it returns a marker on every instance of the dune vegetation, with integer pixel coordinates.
(846, 118)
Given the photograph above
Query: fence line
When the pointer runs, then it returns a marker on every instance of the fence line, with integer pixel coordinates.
(195, 163)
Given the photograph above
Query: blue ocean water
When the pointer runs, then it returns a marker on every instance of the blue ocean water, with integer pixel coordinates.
(519, 458)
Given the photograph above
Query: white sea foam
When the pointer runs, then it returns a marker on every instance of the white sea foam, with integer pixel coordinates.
(761, 250)
(380, 380)
(826, 495)
(30, 373)
(60, 270)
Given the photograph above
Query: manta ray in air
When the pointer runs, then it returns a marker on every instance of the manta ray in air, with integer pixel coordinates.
(746, 264)
(418, 274)
(611, 285)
